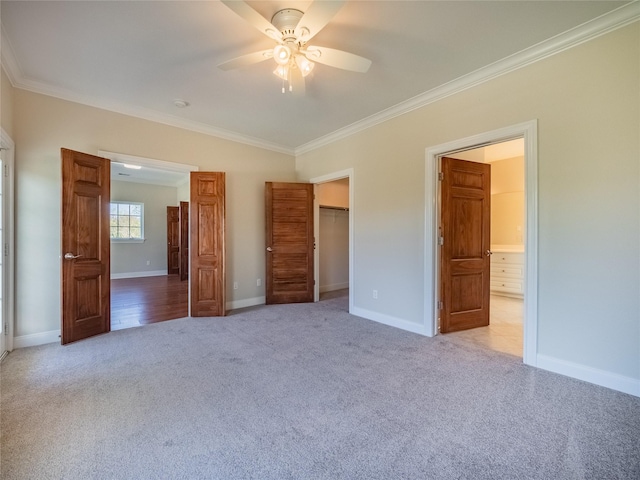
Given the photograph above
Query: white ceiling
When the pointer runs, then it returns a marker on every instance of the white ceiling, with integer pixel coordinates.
(137, 57)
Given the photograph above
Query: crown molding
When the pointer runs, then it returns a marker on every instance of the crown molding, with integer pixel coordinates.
(18, 80)
(151, 115)
(604, 24)
(601, 25)
(7, 58)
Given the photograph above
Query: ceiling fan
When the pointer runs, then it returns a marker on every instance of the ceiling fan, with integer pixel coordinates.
(292, 29)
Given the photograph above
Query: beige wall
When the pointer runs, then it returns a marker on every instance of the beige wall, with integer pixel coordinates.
(42, 125)
(6, 104)
(587, 103)
(133, 257)
(507, 202)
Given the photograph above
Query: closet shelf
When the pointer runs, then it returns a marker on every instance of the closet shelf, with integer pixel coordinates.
(332, 207)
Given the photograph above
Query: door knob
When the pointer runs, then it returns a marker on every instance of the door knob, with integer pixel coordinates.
(269, 249)
(489, 253)
(70, 256)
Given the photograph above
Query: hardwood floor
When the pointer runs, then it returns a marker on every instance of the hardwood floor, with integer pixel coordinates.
(139, 301)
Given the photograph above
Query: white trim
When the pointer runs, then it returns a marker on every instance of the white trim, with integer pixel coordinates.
(389, 320)
(596, 376)
(9, 62)
(9, 263)
(330, 177)
(333, 287)
(528, 130)
(150, 273)
(145, 113)
(601, 25)
(35, 339)
(246, 302)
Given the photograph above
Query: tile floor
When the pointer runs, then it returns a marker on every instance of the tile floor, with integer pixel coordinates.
(504, 332)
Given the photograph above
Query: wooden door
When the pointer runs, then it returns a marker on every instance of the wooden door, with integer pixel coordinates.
(85, 246)
(465, 253)
(184, 240)
(290, 242)
(207, 252)
(173, 240)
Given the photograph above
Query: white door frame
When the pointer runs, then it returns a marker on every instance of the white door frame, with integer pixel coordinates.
(528, 131)
(330, 177)
(8, 249)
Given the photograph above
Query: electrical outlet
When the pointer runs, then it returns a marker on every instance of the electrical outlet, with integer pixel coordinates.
(148, 262)
(375, 294)
(235, 285)
(259, 282)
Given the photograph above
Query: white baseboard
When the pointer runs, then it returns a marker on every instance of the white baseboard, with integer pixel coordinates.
(389, 320)
(588, 374)
(335, 286)
(150, 273)
(247, 302)
(34, 339)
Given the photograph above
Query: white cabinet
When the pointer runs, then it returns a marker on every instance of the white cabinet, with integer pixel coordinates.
(507, 273)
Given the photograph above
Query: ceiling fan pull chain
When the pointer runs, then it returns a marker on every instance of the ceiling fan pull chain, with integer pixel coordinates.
(289, 80)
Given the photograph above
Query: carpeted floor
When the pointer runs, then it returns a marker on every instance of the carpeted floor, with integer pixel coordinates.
(302, 392)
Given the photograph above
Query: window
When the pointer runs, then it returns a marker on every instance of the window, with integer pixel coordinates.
(126, 221)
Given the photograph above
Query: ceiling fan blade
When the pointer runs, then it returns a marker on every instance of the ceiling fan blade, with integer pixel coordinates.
(316, 17)
(338, 59)
(254, 18)
(244, 60)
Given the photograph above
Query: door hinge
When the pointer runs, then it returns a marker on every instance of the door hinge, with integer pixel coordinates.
(440, 305)
(440, 176)
(6, 249)
(6, 170)
(440, 240)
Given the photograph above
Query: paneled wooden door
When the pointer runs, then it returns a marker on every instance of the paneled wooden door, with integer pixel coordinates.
(465, 253)
(173, 240)
(289, 242)
(207, 236)
(85, 246)
(184, 240)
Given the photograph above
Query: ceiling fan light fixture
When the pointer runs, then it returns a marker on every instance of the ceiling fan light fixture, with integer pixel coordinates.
(282, 71)
(304, 65)
(282, 54)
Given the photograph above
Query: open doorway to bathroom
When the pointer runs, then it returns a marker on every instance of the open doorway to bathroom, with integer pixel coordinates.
(506, 306)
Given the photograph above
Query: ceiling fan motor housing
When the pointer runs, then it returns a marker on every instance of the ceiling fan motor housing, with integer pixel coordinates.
(286, 21)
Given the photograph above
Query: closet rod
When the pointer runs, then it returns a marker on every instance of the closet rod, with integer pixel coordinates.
(328, 207)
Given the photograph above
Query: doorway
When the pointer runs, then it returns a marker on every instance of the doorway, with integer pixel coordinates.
(528, 132)
(506, 299)
(333, 238)
(142, 291)
(6, 239)
(334, 190)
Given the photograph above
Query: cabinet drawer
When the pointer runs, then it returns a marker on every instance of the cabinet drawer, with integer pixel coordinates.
(507, 270)
(506, 286)
(509, 257)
